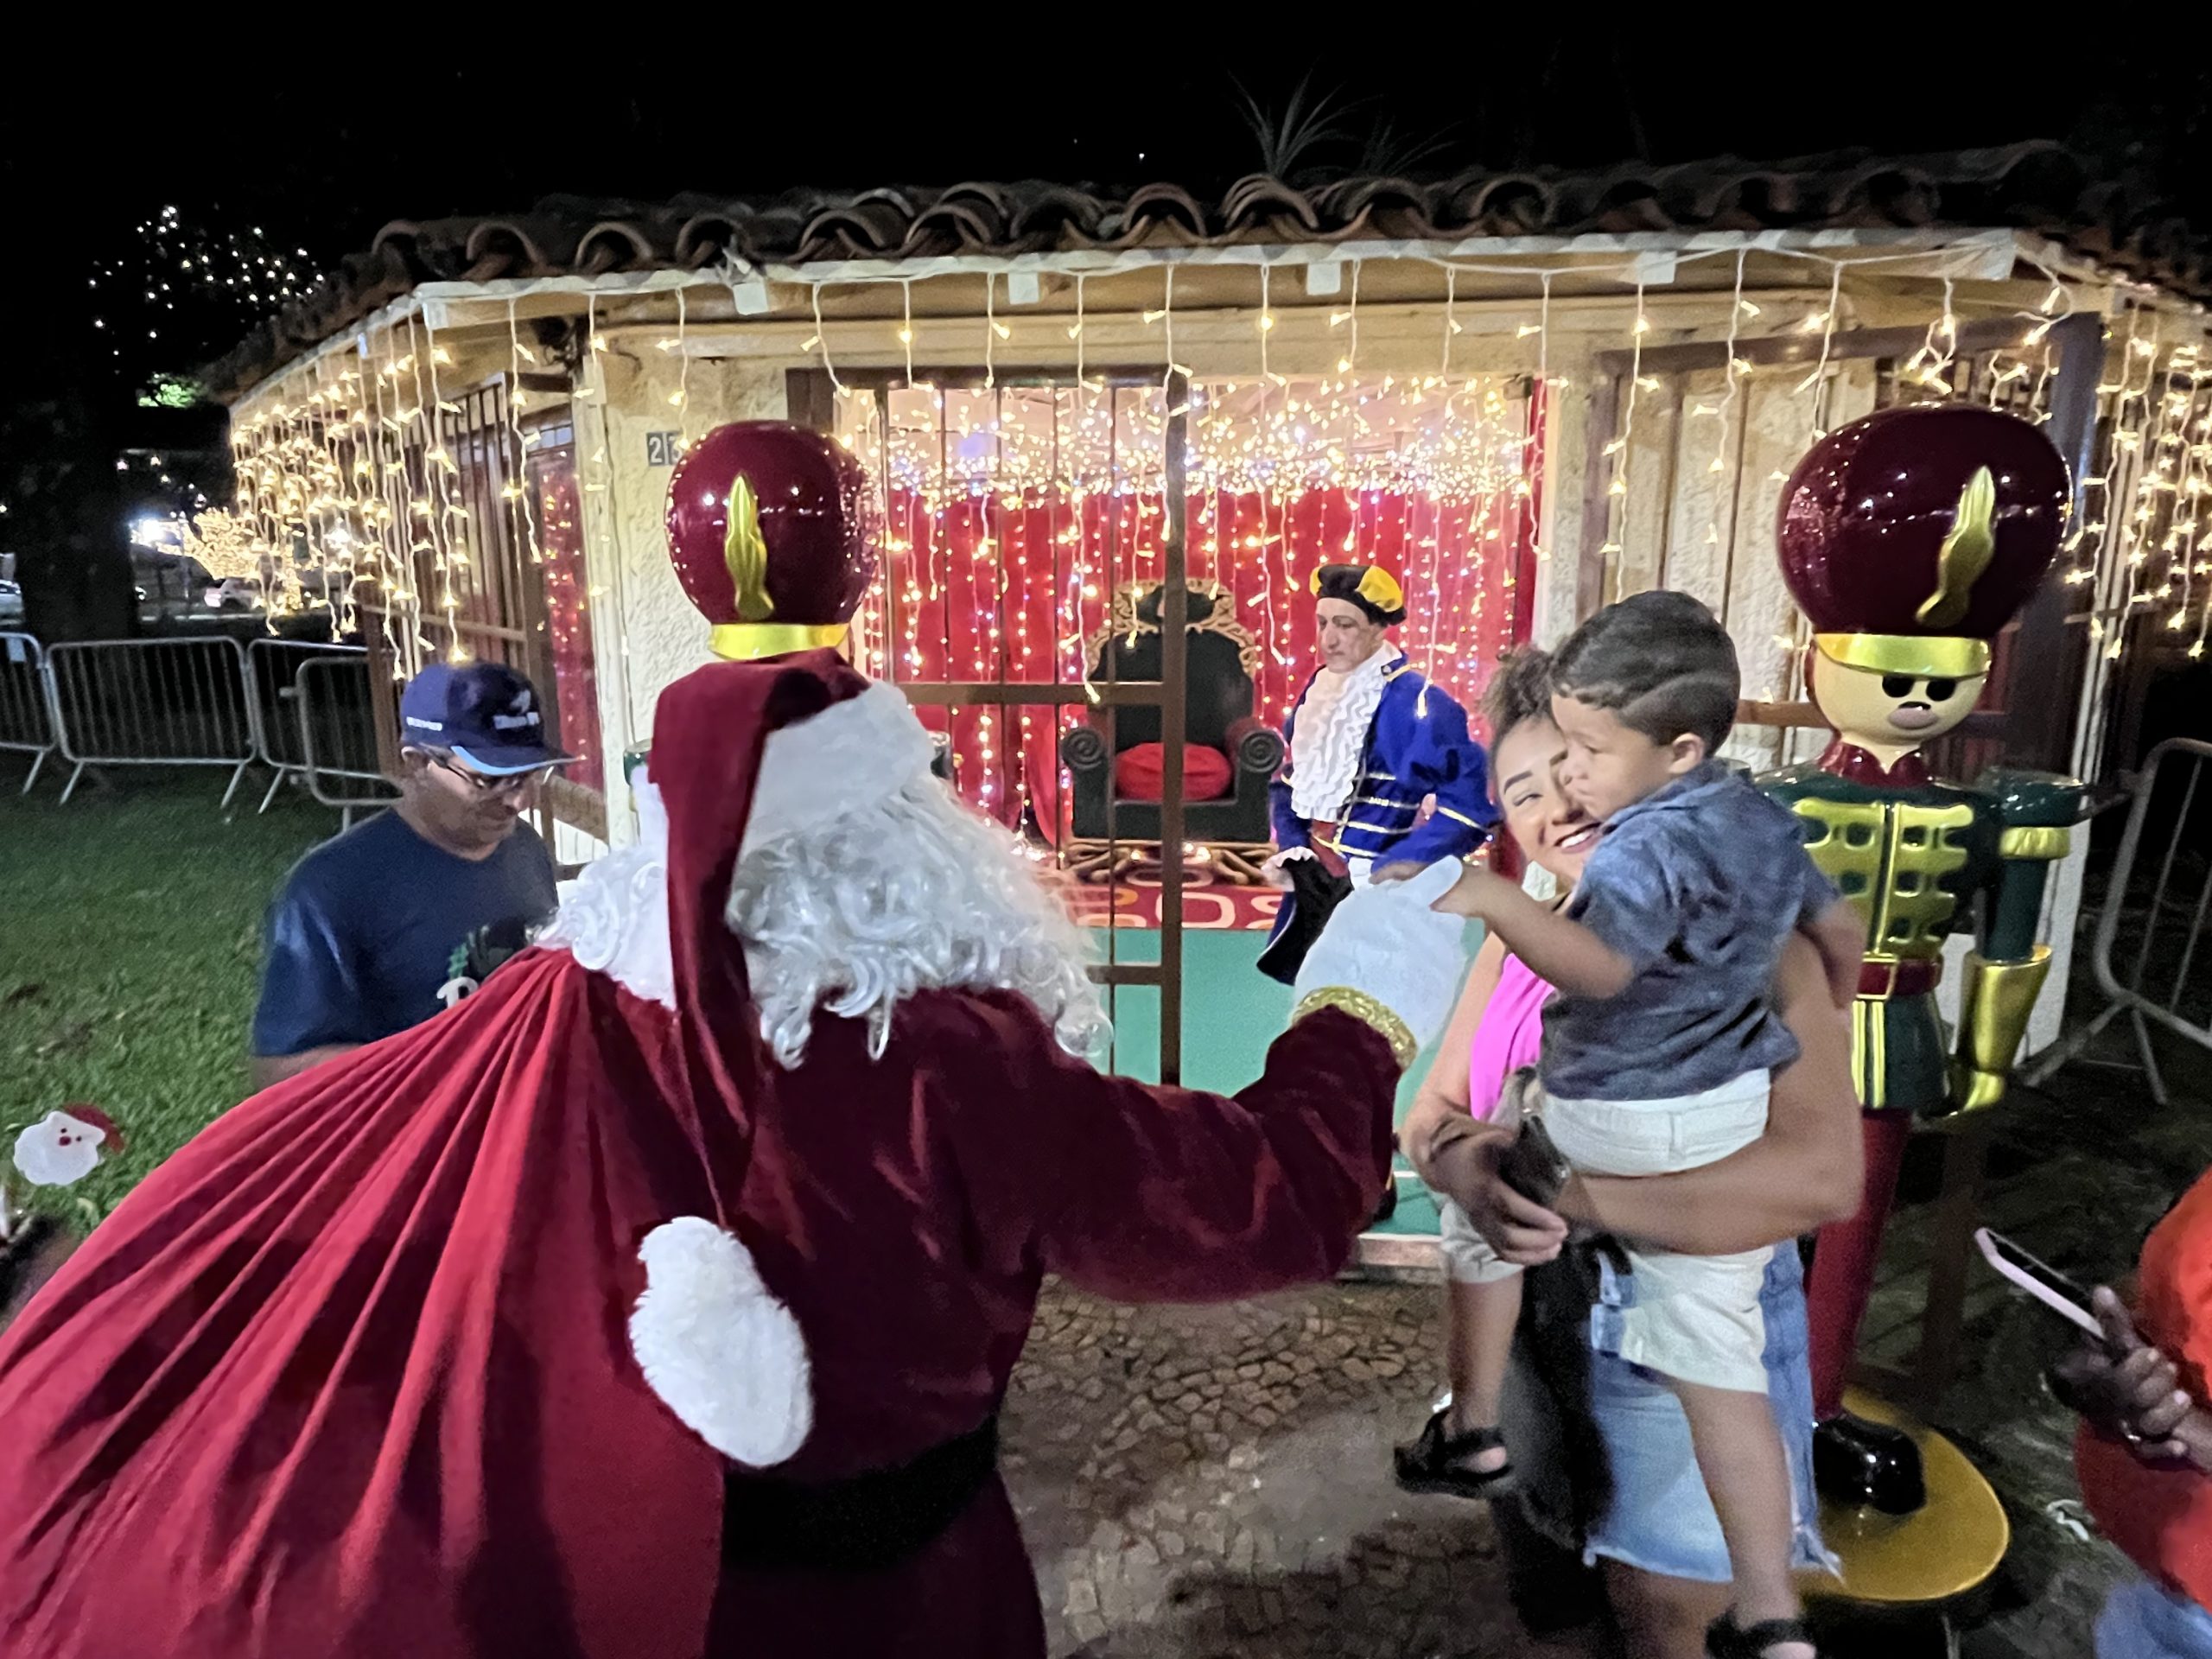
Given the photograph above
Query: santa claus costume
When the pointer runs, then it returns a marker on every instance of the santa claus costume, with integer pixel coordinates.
(658, 1300)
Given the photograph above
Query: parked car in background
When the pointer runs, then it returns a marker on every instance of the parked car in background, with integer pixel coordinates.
(177, 589)
(11, 604)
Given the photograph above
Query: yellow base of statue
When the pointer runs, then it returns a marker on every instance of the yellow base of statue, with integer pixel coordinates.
(1949, 1546)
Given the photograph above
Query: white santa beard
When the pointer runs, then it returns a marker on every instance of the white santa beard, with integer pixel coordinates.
(913, 892)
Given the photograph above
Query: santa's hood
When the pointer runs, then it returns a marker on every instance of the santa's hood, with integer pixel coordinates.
(614, 917)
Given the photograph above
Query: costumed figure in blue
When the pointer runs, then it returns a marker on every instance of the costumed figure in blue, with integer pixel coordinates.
(1379, 767)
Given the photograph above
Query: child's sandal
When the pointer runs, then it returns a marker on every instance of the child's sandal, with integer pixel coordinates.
(1436, 1461)
(1725, 1639)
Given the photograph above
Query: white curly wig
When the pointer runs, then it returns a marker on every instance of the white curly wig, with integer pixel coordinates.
(909, 893)
(862, 881)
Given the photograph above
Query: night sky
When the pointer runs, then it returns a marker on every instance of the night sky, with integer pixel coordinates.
(294, 159)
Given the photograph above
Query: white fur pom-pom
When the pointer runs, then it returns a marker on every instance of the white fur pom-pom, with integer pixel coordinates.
(722, 1354)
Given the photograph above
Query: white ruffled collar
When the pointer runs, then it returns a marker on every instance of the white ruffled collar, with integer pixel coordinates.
(1330, 735)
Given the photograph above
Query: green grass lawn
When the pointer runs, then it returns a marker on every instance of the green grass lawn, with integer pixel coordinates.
(130, 948)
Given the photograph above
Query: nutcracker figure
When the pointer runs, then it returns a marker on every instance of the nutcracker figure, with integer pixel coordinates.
(1908, 540)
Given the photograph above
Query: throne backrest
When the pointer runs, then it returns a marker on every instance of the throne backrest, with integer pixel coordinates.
(1223, 657)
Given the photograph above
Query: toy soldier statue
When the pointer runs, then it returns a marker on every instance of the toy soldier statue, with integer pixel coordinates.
(1910, 539)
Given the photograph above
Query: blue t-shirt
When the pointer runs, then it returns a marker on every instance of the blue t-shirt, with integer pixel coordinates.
(1698, 886)
(371, 926)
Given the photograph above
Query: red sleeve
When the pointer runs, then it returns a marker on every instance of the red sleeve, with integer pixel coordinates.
(2174, 1286)
(1144, 1193)
(2161, 1517)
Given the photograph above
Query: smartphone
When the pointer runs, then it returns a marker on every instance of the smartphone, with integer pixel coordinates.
(2040, 1280)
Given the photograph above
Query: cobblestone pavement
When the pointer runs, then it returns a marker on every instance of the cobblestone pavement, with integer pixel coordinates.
(1202, 1481)
(1214, 1481)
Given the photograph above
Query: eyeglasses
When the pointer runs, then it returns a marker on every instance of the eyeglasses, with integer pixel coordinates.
(489, 787)
(1901, 686)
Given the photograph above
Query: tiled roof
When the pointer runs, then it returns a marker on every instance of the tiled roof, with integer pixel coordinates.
(2038, 186)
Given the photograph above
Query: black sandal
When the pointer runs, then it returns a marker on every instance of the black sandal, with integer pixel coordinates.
(1725, 1639)
(1433, 1463)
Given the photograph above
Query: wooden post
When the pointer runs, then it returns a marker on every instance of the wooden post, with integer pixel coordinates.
(1174, 677)
(2046, 653)
(1951, 1248)
(810, 400)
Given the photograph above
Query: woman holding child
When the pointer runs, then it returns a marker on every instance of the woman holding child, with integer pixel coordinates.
(1668, 1564)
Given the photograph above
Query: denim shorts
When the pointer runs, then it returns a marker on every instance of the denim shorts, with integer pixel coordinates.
(1660, 1519)
(2141, 1620)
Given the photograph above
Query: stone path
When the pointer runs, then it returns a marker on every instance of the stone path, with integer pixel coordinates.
(1197, 1482)
(1202, 1481)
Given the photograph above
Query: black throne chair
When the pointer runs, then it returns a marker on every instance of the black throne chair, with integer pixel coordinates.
(1226, 807)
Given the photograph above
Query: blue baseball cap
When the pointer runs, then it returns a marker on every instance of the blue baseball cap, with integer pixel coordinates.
(484, 714)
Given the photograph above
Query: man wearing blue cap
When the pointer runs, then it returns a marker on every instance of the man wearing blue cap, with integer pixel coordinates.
(401, 916)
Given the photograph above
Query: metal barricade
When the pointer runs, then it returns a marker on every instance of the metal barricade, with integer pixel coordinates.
(2153, 920)
(25, 723)
(335, 728)
(272, 699)
(150, 702)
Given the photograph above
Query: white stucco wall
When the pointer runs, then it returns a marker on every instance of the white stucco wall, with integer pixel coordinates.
(645, 634)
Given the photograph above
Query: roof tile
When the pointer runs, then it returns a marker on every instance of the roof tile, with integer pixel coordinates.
(2034, 186)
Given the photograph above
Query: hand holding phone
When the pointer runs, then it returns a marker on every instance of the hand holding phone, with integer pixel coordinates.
(2040, 1280)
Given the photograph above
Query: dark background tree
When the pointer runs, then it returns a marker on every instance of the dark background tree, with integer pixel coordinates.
(278, 158)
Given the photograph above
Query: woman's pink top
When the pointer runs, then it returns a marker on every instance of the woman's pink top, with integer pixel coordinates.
(1511, 1032)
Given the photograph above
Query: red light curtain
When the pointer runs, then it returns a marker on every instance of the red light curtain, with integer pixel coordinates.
(567, 614)
(1008, 585)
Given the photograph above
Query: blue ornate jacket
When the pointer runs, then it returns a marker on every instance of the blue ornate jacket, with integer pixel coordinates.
(1416, 747)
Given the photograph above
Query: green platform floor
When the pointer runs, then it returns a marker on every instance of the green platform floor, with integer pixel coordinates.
(1231, 1012)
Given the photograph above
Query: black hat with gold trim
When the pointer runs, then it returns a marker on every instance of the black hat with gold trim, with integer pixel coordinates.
(1371, 587)
(1911, 536)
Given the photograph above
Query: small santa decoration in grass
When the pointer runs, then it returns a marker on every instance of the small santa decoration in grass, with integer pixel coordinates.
(59, 1150)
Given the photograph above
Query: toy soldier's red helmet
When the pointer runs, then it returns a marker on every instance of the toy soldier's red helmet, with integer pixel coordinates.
(773, 531)
(1910, 537)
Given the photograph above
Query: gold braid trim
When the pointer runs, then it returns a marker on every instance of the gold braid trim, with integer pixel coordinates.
(1366, 1010)
(2035, 840)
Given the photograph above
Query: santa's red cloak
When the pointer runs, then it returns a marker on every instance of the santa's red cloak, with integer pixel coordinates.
(349, 1375)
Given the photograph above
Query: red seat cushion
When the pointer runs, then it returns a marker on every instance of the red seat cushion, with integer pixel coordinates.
(1207, 774)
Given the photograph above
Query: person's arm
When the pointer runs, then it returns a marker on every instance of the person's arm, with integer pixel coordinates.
(267, 1070)
(1564, 953)
(310, 988)
(2131, 1391)
(1838, 935)
(1138, 1192)
(1457, 1152)
(1836, 929)
(1446, 762)
(1804, 1172)
(1442, 1098)
(1147, 1193)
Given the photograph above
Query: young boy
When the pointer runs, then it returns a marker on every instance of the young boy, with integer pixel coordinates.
(1660, 1039)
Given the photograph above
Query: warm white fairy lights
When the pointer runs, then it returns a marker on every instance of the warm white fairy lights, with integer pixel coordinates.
(1349, 363)
(1039, 504)
(516, 490)
(1616, 450)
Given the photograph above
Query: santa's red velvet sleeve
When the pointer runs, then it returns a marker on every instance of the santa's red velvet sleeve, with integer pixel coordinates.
(1149, 1193)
